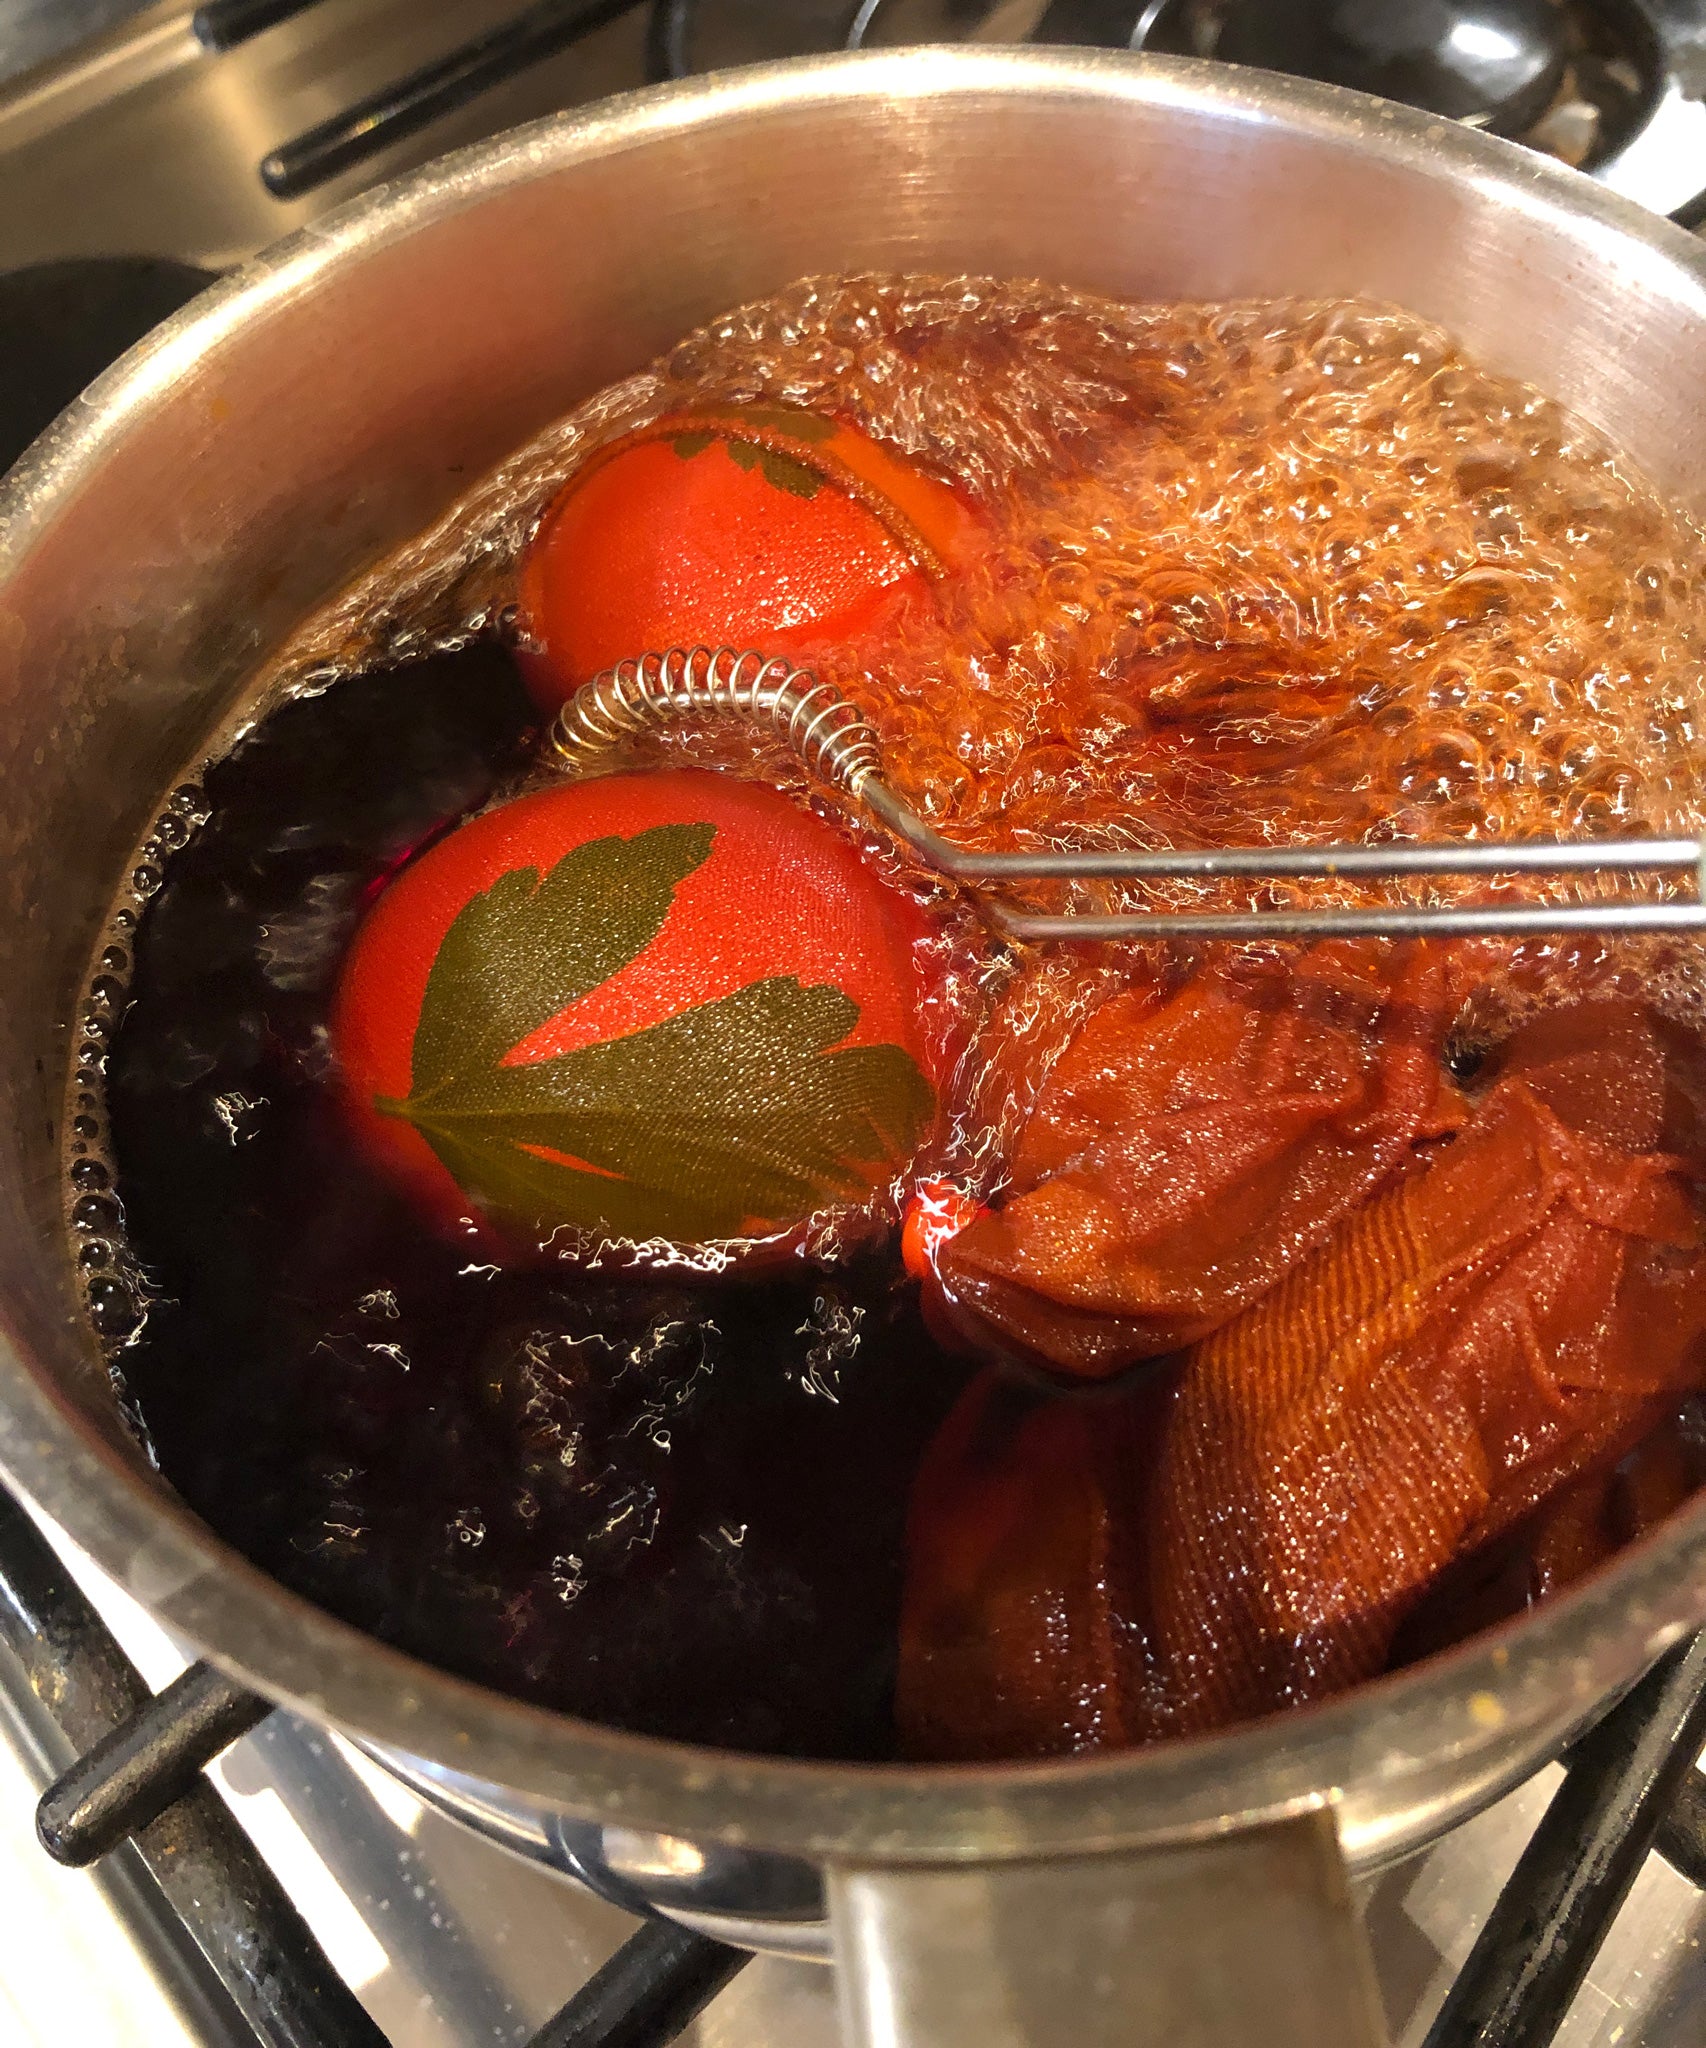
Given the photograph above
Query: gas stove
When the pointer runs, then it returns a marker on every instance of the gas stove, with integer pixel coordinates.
(169, 147)
(202, 135)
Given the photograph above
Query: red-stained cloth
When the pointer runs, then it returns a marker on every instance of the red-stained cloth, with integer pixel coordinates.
(1189, 1147)
(1483, 1337)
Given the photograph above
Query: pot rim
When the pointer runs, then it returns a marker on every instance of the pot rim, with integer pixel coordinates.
(1521, 1688)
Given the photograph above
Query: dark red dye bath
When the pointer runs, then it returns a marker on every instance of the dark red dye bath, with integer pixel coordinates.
(675, 1508)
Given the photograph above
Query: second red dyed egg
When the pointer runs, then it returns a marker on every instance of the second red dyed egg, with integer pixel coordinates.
(766, 527)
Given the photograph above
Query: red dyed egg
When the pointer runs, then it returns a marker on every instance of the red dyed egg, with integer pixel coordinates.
(667, 1006)
(765, 527)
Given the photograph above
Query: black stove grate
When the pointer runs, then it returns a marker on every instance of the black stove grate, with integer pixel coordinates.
(373, 124)
(253, 1940)
(1618, 1801)
(138, 1781)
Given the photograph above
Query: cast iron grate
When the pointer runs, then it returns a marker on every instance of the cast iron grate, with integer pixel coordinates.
(364, 130)
(138, 1781)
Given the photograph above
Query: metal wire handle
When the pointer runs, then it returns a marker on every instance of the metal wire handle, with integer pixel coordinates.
(837, 743)
(828, 733)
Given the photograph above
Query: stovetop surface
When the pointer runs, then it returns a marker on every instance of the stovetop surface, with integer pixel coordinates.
(141, 144)
(34, 31)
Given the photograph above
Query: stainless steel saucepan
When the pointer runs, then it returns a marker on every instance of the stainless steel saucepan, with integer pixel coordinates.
(309, 414)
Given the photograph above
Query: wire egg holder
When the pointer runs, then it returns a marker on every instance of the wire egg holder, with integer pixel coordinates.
(837, 744)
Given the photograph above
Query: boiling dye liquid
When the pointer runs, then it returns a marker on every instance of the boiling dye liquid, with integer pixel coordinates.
(1252, 573)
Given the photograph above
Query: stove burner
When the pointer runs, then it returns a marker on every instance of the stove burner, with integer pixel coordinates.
(1571, 77)
(1495, 63)
(1613, 87)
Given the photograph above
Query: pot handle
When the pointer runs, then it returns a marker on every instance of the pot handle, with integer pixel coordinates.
(1243, 1940)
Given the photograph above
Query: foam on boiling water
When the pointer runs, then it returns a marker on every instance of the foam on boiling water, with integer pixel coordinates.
(1262, 573)
(1256, 572)
(1317, 530)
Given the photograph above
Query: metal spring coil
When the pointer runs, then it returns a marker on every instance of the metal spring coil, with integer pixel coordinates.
(829, 734)
(837, 744)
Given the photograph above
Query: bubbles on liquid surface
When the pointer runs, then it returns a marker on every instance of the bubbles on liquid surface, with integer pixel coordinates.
(110, 1284)
(95, 1212)
(113, 1308)
(1258, 573)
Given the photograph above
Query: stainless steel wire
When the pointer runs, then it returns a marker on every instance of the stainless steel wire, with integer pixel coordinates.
(828, 733)
(838, 744)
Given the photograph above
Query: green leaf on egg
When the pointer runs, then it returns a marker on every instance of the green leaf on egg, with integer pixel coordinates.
(793, 420)
(731, 1115)
(782, 472)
